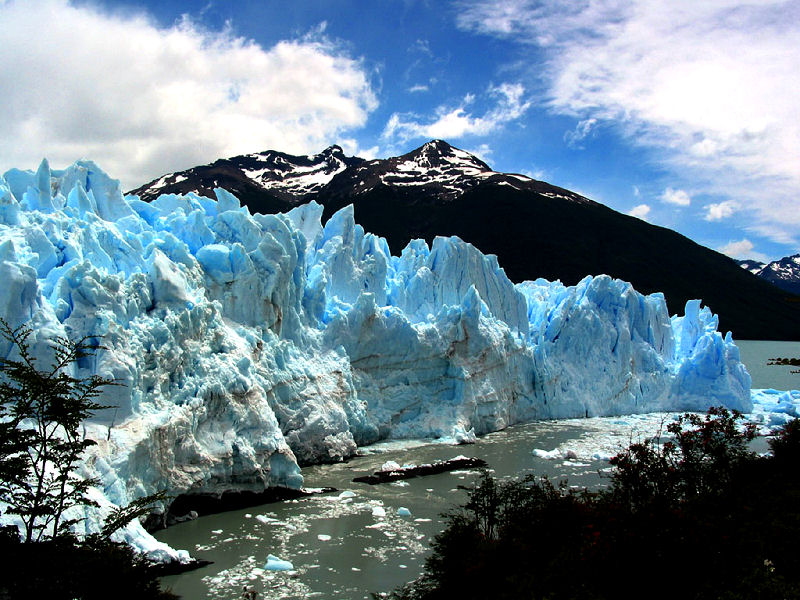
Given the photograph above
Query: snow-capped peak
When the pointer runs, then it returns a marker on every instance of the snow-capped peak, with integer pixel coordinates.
(436, 169)
(445, 172)
(297, 175)
(784, 272)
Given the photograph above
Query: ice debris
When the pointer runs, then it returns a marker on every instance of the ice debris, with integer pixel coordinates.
(246, 344)
(774, 408)
(276, 564)
(390, 465)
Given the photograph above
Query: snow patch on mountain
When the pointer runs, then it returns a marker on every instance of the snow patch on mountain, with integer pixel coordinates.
(301, 177)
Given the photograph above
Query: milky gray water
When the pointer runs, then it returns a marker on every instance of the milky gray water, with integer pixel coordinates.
(351, 543)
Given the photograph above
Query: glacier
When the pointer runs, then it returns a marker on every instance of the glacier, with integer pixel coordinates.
(247, 345)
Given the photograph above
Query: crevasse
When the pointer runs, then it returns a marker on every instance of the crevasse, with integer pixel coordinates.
(247, 344)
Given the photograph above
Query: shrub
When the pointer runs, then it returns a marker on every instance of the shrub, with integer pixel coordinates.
(41, 446)
(696, 515)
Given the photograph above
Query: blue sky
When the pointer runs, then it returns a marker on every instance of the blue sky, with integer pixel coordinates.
(683, 113)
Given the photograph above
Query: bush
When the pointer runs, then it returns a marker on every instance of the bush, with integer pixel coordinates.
(67, 568)
(697, 515)
(41, 446)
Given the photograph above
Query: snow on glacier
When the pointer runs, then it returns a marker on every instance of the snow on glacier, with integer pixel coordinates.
(246, 344)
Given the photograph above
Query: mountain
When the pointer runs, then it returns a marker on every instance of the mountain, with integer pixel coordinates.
(784, 272)
(754, 266)
(535, 229)
(267, 182)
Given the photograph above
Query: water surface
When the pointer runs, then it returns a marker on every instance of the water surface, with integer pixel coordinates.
(755, 354)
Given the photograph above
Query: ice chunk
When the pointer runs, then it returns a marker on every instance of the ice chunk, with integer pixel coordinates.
(403, 512)
(276, 564)
(547, 454)
(378, 512)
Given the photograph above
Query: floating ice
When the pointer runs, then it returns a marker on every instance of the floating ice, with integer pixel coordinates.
(276, 564)
(247, 344)
(557, 454)
(265, 519)
(322, 537)
(547, 454)
(774, 408)
(378, 512)
(403, 512)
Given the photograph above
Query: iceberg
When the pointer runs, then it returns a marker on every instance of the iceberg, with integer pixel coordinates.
(276, 564)
(247, 345)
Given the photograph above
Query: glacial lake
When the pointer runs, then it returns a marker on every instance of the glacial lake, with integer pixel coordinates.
(349, 544)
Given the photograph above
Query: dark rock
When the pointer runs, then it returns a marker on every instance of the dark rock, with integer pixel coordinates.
(175, 567)
(441, 466)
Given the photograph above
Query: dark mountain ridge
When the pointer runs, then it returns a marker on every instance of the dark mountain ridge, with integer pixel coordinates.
(534, 228)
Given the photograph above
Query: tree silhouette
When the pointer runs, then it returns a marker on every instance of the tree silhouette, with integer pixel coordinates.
(41, 411)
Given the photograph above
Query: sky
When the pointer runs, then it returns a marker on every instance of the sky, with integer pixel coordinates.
(682, 113)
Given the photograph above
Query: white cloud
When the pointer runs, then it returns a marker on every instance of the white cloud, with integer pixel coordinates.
(582, 130)
(676, 197)
(143, 100)
(421, 47)
(418, 88)
(640, 211)
(538, 174)
(742, 249)
(457, 122)
(351, 147)
(636, 191)
(712, 84)
(721, 210)
(483, 151)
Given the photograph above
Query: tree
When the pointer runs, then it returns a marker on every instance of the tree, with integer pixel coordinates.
(41, 412)
(699, 460)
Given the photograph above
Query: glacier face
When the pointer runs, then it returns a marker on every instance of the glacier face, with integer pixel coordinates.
(247, 344)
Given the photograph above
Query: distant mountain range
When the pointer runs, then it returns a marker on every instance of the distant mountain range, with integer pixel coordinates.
(784, 272)
(535, 229)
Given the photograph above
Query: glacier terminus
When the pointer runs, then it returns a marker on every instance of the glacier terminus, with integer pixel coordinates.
(247, 345)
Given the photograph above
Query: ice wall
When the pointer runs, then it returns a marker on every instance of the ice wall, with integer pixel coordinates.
(248, 343)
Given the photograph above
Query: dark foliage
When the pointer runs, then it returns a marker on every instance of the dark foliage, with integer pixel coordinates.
(695, 515)
(66, 568)
(41, 447)
(41, 411)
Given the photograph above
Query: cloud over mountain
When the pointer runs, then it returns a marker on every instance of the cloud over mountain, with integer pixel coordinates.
(149, 99)
(711, 85)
